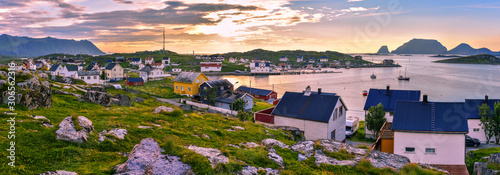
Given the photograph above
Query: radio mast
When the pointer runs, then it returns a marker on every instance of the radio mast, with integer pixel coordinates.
(163, 41)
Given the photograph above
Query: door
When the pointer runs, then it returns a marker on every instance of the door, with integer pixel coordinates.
(333, 135)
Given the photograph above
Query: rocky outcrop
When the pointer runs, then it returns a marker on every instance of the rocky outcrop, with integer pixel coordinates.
(138, 99)
(36, 94)
(105, 99)
(296, 133)
(237, 128)
(249, 144)
(421, 46)
(163, 109)
(215, 156)
(271, 142)
(43, 76)
(322, 158)
(58, 172)
(306, 147)
(382, 160)
(481, 168)
(68, 132)
(275, 157)
(334, 146)
(121, 100)
(97, 88)
(146, 158)
(383, 50)
(116, 132)
(250, 170)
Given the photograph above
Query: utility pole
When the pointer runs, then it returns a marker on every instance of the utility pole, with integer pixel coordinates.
(163, 52)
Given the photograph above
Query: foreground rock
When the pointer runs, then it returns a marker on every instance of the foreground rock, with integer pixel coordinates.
(215, 156)
(138, 99)
(121, 100)
(272, 142)
(275, 157)
(104, 99)
(249, 144)
(322, 158)
(58, 172)
(251, 170)
(116, 132)
(163, 109)
(296, 133)
(382, 160)
(36, 94)
(334, 146)
(68, 132)
(306, 147)
(481, 168)
(146, 158)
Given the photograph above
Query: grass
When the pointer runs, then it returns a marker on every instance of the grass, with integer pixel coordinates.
(161, 88)
(475, 156)
(342, 154)
(76, 124)
(359, 136)
(363, 146)
(493, 166)
(260, 105)
(232, 67)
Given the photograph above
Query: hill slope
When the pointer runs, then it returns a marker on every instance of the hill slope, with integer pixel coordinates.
(32, 47)
(420, 46)
(383, 49)
(290, 54)
(466, 49)
(475, 59)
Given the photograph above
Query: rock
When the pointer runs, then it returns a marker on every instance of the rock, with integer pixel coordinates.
(334, 146)
(249, 144)
(294, 130)
(306, 147)
(67, 87)
(250, 170)
(382, 160)
(117, 132)
(36, 94)
(163, 109)
(58, 172)
(481, 168)
(2, 82)
(39, 117)
(215, 156)
(272, 142)
(238, 128)
(47, 124)
(383, 50)
(4, 74)
(432, 167)
(145, 127)
(100, 98)
(56, 85)
(275, 157)
(123, 100)
(206, 136)
(138, 99)
(494, 158)
(43, 76)
(196, 135)
(97, 88)
(322, 158)
(60, 92)
(157, 125)
(146, 158)
(230, 130)
(188, 108)
(68, 132)
(302, 157)
(236, 146)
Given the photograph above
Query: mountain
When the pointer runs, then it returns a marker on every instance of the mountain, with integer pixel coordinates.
(421, 46)
(383, 49)
(475, 59)
(32, 47)
(466, 49)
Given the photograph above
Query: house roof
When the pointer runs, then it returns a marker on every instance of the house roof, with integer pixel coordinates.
(132, 80)
(472, 107)
(316, 107)
(147, 68)
(111, 66)
(434, 117)
(262, 92)
(211, 64)
(148, 58)
(230, 96)
(136, 59)
(88, 73)
(72, 67)
(166, 58)
(376, 96)
(323, 57)
(91, 66)
(156, 64)
(54, 67)
(282, 56)
(187, 77)
(218, 83)
(300, 57)
(109, 61)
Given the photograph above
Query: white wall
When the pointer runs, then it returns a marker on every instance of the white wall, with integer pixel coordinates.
(368, 133)
(208, 69)
(338, 124)
(474, 123)
(450, 148)
(312, 130)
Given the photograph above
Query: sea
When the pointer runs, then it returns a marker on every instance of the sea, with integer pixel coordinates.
(442, 82)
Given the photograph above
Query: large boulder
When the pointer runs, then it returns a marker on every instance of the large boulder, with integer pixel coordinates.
(383, 160)
(249, 144)
(251, 170)
(35, 94)
(215, 156)
(481, 168)
(58, 172)
(273, 142)
(68, 132)
(100, 98)
(306, 147)
(123, 100)
(322, 158)
(138, 99)
(296, 133)
(146, 158)
(97, 88)
(334, 146)
(116, 132)
(43, 76)
(275, 157)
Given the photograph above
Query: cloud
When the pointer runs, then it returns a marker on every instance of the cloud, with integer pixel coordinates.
(354, 0)
(123, 1)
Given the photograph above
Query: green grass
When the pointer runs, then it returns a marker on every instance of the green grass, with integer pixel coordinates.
(475, 156)
(359, 136)
(493, 166)
(260, 105)
(363, 146)
(161, 88)
(232, 67)
(342, 154)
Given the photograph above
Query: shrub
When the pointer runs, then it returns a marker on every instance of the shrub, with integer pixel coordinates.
(244, 116)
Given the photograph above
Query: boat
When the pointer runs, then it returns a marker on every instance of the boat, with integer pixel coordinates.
(365, 93)
(373, 76)
(405, 78)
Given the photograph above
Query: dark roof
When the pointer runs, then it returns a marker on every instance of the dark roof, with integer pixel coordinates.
(300, 57)
(91, 66)
(72, 67)
(376, 96)
(472, 107)
(316, 107)
(323, 57)
(109, 61)
(283, 57)
(187, 77)
(262, 92)
(435, 117)
(54, 67)
(136, 59)
(111, 65)
(218, 83)
(165, 58)
(87, 73)
(147, 68)
(132, 80)
(230, 96)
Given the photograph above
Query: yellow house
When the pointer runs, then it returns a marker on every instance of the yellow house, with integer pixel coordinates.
(114, 72)
(188, 83)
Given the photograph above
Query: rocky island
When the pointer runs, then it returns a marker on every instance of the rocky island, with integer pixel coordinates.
(475, 59)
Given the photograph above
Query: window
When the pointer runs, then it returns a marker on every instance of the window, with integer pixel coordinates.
(476, 129)
(222, 88)
(82, 78)
(182, 88)
(189, 89)
(340, 111)
(176, 87)
(333, 135)
(197, 81)
(410, 149)
(430, 150)
(335, 114)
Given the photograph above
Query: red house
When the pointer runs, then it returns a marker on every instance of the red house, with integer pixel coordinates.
(262, 94)
(135, 82)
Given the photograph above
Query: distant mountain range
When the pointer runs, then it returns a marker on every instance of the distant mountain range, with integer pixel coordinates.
(33, 47)
(430, 46)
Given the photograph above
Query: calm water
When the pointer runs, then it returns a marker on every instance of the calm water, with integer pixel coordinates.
(441, 82)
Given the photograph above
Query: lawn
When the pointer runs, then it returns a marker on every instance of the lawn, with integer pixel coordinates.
(260, 105)
(359, 136)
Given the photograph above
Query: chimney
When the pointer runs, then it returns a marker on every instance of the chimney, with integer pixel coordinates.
(425, 99)
(319, 90)
(308, 91)
(388, 91)
(486, 99)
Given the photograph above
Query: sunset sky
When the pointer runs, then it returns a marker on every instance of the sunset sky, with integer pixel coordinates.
(219, 26)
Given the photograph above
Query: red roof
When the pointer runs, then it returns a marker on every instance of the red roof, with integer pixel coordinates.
(148, 58)
(211, 64)
(156, 64)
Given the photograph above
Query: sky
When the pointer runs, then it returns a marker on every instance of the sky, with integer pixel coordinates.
(220, 26)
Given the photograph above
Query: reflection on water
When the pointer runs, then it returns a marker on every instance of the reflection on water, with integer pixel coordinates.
(442, 82)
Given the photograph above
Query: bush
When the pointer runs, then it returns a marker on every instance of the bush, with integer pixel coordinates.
(244, 116)
(175, 113)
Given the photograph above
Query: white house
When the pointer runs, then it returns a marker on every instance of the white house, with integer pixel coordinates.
(211, 66)
(227, 99)
(61, 70)
(300, 59)
(388, 98)
(244, 60)
(231, 60)
(323, 59)
(474, 119)
(283, 59)
(90, 77)
(260, 67)
(149, 73)
(136, 61)
(312, 60)
(148, 60)
(318, 115)
(158, 65)
(165, 61)
(198, 57)
(176, 70)
(430, 132)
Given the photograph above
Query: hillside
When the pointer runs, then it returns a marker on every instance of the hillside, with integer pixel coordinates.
(383, 50)
(290, 54)
(420, 46)
(466, 49)
(475, 59)
(32, 47)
